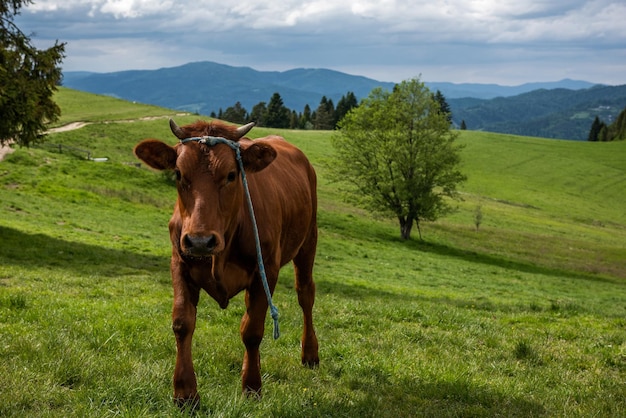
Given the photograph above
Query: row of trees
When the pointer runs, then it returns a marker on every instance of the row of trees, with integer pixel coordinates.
(276, 115)
(325, 117)
(616, 131)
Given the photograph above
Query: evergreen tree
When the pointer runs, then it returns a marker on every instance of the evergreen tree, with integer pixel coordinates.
(345, 104)
(259, 114)
(305, 120)
(603, 135)
(618, 127)
(444, 107)
(325, 115)
(294, 121)
(236, 114)
(617, 130)
(277, 114)
(463, 125)
(596, 127)
(28, 80)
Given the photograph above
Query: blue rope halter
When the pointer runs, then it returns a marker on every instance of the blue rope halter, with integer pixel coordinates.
(211, 141)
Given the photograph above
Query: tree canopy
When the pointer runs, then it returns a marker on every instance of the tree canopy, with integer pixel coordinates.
(398, 152)
(28, 80)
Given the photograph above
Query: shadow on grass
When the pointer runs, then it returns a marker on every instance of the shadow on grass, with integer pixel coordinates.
(39, 250)
(353, 228)
(439, 398)
(372, 396)
(463, 398)
(401, 307)
(481, 258)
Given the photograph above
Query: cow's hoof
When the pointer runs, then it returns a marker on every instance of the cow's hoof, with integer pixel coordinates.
(189, 403)
(311, 362)
(252, 394)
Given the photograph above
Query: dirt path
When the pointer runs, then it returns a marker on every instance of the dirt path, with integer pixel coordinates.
(6, 149)
(69, 127)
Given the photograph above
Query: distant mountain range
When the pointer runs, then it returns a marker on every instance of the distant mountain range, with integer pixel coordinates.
(206, 87)
(556, 113)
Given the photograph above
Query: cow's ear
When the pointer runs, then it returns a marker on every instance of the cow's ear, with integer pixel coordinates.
(156, 154)
(257, 156)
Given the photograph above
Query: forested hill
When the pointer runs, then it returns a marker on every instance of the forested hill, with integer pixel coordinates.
(564, 109)
(206, 87)
(556, 113)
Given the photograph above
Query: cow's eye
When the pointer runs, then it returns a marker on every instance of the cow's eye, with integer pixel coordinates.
(231, 176)
(178, 175)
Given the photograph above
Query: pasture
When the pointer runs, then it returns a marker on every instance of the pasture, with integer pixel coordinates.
(525, 316)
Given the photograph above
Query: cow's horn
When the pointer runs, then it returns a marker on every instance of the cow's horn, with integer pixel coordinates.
(176, 130)
(242, 130)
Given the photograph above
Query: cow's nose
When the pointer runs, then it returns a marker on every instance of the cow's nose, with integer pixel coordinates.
(200, 245)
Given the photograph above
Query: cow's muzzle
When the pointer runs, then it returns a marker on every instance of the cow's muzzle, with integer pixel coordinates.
(200, 245)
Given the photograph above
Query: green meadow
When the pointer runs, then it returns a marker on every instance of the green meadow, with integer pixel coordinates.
(523, 316)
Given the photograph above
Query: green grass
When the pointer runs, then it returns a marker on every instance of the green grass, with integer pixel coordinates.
(524, 317)
(77, 106)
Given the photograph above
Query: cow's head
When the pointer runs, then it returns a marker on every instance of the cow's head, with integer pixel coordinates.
(208, 178)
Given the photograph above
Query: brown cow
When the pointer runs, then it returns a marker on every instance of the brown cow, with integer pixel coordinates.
(213, 244)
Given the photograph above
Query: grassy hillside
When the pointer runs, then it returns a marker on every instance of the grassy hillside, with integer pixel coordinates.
(524, 317)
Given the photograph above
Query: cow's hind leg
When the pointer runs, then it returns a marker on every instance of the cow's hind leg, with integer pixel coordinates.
(305, 286)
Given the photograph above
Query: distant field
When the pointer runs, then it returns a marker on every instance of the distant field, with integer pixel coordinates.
(525, 316)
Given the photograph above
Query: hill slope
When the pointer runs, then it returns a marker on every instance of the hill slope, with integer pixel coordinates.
(517, 179)
(468, 323)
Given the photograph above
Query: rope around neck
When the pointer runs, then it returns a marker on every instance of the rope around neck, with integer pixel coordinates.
(211, 141)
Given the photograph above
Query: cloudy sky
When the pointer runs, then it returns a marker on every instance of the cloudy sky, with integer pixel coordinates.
(483, 41)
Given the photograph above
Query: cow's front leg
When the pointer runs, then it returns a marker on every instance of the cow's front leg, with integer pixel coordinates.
(183, 324)
(252, 328)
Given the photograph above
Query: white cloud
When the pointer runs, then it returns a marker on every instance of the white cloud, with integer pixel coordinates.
(469, 38)
(134, 8)
(478, 19)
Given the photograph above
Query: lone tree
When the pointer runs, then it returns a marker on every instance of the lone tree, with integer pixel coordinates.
(399, 153)
(28, 80)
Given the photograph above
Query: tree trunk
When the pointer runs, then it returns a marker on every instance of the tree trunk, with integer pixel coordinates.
(406, 224)
(419, 230)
